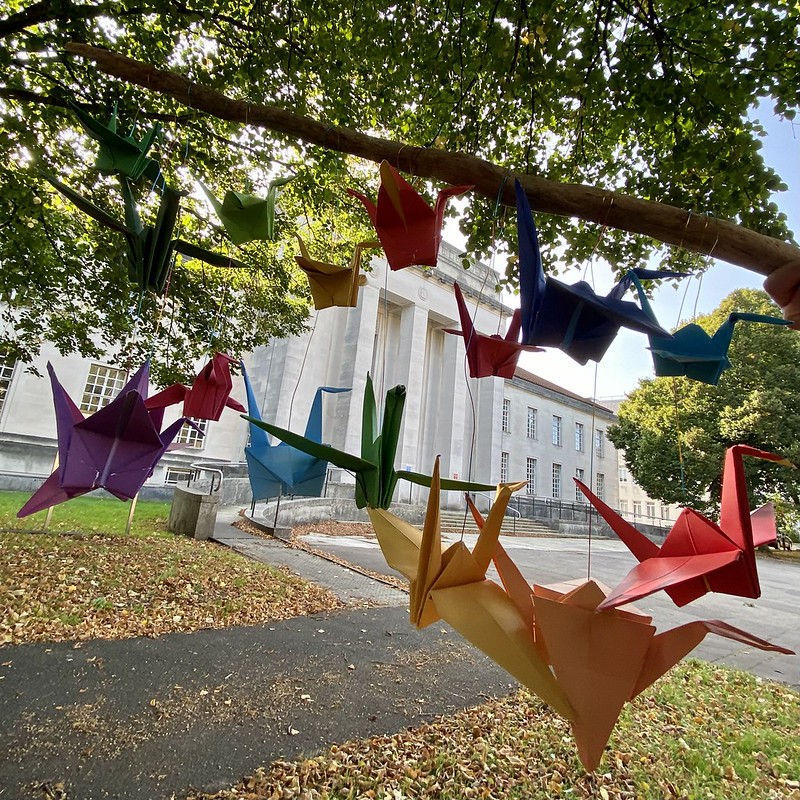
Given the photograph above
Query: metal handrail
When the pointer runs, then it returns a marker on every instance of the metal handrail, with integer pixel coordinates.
(213, 470)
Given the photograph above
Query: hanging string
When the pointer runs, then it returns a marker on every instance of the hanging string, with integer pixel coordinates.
(697, 298)
(302, 367)
(679, 436)
(591, 468)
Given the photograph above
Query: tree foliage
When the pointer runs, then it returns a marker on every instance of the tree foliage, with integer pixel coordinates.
(650, 99)
(675, 431)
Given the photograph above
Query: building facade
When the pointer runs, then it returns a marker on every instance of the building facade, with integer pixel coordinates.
(488, 430)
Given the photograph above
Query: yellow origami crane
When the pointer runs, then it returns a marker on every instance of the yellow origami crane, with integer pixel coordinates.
(332, 285)
(452, 586)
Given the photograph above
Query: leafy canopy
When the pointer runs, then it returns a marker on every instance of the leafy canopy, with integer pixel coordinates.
(669, 420)
(646, 98)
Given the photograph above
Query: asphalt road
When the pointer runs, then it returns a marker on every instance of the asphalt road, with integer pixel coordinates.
(775, 616)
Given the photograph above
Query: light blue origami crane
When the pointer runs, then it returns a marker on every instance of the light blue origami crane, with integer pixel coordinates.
(280, 469)
(691, 351)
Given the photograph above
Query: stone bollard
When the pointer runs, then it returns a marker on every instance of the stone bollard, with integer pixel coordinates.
(193, 513)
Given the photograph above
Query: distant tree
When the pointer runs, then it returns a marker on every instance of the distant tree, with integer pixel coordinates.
(675, 431)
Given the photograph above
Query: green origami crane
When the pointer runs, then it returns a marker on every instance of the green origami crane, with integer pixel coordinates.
(374, 470)
(122, 155)
(150, 248)
(245, 216)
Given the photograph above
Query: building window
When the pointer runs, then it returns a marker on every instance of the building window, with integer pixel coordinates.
(579, 436)
(664, 512)
(175, 476)
(651, 509)
(623, 506)
(102, 386)
(556, 431)
(531, 423)
(6, 374)
(600, 486)
(506, 416)
(556, 480)
(579, 474)
(531, 476)
(637, 508)
(599, 443)
(503, 467)
(191, 437)
(623, 475)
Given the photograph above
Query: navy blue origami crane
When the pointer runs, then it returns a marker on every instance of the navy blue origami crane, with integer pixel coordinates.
(693, 352)
(280, 469)
(572, 318)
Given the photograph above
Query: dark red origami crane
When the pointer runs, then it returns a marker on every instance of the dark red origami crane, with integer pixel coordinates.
(490, 355)
(114, 449)
(409, 229)
(207, 396)
(698, 556)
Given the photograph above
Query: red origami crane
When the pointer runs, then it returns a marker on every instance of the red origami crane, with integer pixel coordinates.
(409, 229)
(697, 555)
(490, 355)
(207, 396)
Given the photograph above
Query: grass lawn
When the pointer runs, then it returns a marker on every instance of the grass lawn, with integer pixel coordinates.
(701, 732)
(95, 582)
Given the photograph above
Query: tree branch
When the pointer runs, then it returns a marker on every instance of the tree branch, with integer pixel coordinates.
(724, 240)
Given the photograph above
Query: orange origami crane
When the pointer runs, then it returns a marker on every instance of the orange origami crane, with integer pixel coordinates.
(697, 555)
(490, 355)
(600, 659)
(330, 284)
(208, 395)
(409, 229)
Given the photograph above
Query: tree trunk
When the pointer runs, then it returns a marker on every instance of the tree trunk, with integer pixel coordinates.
(724, 240)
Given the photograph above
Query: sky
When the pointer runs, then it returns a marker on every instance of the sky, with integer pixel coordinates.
(628, 360)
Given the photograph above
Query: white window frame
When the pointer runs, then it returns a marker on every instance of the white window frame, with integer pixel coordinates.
(530, 475)
(623, 506)
(650, 510)
(623, 475)
(532, 422)
(580, 475)
(579, 437)
(7, 370)
(556, 483)
(664, 512)
(190, 437)
(103, 384)
(599, 443)
(171, 476)
(557, 428)
(506, 421)
(504, 457)
(637, 508)
(600, 485)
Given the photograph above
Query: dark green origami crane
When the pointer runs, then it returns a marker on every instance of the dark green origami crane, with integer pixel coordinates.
(122, 155)
(150, 248)
(374, 470)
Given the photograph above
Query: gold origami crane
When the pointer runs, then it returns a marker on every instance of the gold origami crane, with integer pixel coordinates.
(330, 284)
(584, 663)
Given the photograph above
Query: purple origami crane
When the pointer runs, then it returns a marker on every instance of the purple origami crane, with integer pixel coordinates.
(114, 449)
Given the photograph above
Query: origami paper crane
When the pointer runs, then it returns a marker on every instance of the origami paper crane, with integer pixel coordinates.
(150, 248)
(697, 555)
(374, 470)
(572, 318)
(332, 285)
(123, 155)
(114, 449)
(245, 216)
(208, 395)
(409, 229)
(583, 662)
(275, 470)
(490, 355)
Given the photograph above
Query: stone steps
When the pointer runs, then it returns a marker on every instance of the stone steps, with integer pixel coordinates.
(453, 521)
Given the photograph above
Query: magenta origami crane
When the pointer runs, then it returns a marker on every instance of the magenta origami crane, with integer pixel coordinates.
(409, 229)
(207, 396)
(697, 555)
(490, 355)
(114, 449)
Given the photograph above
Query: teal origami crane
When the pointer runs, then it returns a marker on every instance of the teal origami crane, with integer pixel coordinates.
(374, 471)
(693, 352)
(280, 469)
(121, 155)
(150, 248)
(245, 216)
